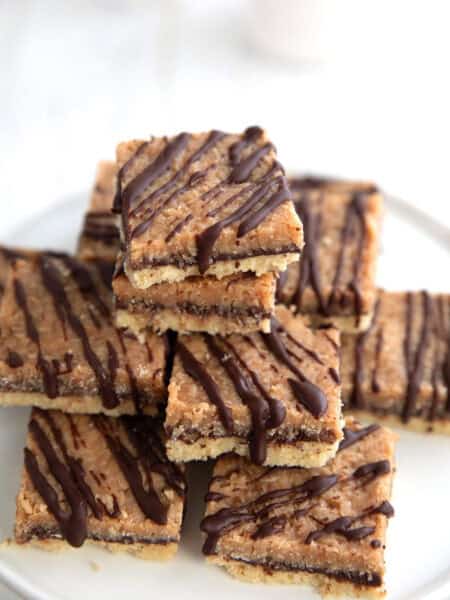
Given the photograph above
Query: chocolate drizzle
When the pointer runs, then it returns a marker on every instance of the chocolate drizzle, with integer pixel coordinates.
(309, 273)
(258, 406)
(154, 170)
(352, 436)
(101, 227)
(371, 471)
(277, 410)
(426, 328)
(308, 394)
(207, 238)
(61, 276)
(227, 519)
(357, 396)
(49, 378)
(148, 457)
(196, 370)
(244, 168)
(53, 284)
(14, 359)
(415, 362)
(73, 523)
(341, 526)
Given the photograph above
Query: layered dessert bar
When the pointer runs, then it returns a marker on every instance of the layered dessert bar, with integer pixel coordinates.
(100, 480)
(237, 303)
(240, 302)
(99, 238)
(399, 369)
(322, 527)
(274, 397)
(204, 204)
(59, 348)
(334, 281)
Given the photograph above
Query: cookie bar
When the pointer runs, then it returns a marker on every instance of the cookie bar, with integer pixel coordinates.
(99, 480)
(399, 369)
(237, 303)
(59, 348)
(274, 397)
(334, 282)
(204, 204)
(322, 527)
(99, 238)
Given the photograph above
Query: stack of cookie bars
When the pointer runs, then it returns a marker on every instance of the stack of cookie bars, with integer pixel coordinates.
(188, 327)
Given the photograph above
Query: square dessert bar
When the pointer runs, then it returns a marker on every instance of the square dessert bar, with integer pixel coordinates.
(334, 282)
(100, 480)
(399, 369)
(59, 347)
(204, 204)
(323, 527)
(99, 238)
(274, 397)
(240, 302)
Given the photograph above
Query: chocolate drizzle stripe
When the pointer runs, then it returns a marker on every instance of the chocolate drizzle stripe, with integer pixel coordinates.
(144, 210)
(307, 393)
(415, 359)
(371, 471)
(49, 377)
(243, 169)
(378, 350)
(148, 500)
(75, 465)
(309, 272)
(178, 227)
(355, 212)
(134, 387)
(251, 187)
(276, 407)
(154, 170)
(207, 238)
(341, 526)
(257, 405)
(73, 523)
(257, 217)
(357, 396)
(52, 283)
(354, 436)
(196, 370)
(227, 519)
(309, 269)
(14, 360)
(117, 203)
(213, 139)
(250, 136)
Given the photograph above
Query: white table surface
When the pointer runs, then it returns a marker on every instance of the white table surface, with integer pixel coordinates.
(76, 77)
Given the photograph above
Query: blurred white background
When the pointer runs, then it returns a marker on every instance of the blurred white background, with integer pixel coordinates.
(76, 77)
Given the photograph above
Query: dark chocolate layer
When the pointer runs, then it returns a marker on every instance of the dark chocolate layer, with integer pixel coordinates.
(47, 533)
(355, 577)
(186, 261)
(232, 311)
(190, 436)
